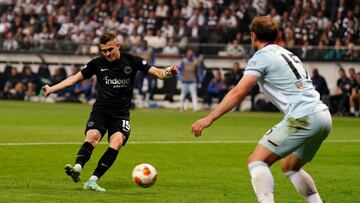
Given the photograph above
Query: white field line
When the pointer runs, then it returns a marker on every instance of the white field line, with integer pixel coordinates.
(163, 142)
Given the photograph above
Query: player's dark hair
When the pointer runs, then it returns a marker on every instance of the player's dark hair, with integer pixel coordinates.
(265, 28)
(106, 37)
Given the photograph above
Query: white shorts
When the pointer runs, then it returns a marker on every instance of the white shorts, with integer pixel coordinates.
(302, 136)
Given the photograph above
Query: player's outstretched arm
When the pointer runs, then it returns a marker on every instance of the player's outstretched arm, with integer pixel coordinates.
(233, 98)
(164, 74)
(63, 84)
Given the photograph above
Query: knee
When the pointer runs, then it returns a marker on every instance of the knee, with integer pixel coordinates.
(286, 167)
(116, 142)
(93, 137)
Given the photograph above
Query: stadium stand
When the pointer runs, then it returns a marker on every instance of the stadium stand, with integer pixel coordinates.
(65, 33)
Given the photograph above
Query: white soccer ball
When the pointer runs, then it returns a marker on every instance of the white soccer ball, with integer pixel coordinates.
(145, 175)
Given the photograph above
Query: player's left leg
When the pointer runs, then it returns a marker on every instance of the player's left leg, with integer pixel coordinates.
(106, 161)
(318, 130)
(261, 177)
(302, 181)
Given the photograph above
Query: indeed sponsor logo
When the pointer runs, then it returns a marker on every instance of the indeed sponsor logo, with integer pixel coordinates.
(116, 81)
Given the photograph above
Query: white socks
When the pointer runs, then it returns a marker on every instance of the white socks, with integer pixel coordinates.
(95, 178)
(305, 185)
(262, 181)
(77, 167)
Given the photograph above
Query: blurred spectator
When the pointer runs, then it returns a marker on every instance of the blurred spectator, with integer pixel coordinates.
(14, 88)
(354, 84)
(10, 44)
(181, 33)
(212, 21)
(196, 33)
(227, 25)
(171, 48)
(197, 18)
(29, 79)
(2, 84)
(83, 91)
(234, 76)
(167, 29)
(151, 21)
(87, 24)
(339, 102)
(355, 96)
(189, 76)
(235, 49)
(147, 53)
(274, 15)
(125, 26)
(158, 42)
(320, 85)
(161, 10)
(135, 26)
(322, 20)
(289, 38)
(336, 53)
(318, 53)
(4, 25)
(44, 77)
(58, 76)
(66, 28)
(135, 38)
(351, 54)
(111, 23)
(186, 10)
(216, 88)
(260, 6)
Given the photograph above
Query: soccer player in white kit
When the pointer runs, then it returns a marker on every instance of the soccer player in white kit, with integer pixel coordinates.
(306, 124)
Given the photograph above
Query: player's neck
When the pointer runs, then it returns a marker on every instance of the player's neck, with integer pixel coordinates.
(261, 45)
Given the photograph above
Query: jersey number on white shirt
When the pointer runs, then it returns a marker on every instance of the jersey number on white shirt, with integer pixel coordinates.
(295, 59)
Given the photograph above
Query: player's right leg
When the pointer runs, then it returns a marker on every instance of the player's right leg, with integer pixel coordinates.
(92, 185)
(93, 137)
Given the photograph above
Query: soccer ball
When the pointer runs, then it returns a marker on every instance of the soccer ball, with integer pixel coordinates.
(145, 175)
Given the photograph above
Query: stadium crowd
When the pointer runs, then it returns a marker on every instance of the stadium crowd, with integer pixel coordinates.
(310, 26)
(312, 29)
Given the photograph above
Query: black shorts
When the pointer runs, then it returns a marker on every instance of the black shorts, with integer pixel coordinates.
(110, 121)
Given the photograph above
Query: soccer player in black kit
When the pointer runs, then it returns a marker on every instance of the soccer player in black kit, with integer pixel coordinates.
(115, 73)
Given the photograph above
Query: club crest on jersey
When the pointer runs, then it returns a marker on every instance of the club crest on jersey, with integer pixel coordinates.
(127, 70)
(299, 85)
(144, 62)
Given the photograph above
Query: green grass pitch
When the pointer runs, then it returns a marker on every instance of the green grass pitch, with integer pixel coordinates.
(37, 140)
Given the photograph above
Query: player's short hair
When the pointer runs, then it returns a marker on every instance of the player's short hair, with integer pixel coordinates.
(265, 28)
(106, 37)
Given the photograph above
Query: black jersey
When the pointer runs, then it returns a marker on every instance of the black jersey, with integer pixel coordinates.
(115, 80)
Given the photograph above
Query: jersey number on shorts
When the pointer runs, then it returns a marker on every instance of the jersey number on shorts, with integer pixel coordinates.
(293, 68)
(126, 125)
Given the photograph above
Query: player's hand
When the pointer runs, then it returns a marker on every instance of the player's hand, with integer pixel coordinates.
(46, 89)
(199, 125)
(171, 71)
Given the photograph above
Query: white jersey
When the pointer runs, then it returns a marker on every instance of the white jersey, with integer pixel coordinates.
(285, 81)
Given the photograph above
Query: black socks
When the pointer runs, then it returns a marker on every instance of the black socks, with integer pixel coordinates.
(105, 162)
(84, 154)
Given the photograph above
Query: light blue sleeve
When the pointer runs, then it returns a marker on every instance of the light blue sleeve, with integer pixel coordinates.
(257, 65)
